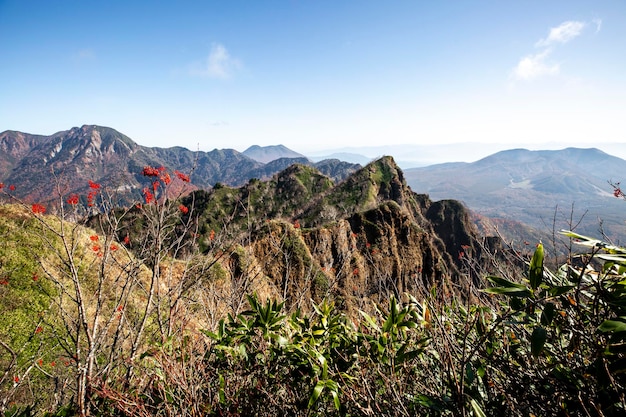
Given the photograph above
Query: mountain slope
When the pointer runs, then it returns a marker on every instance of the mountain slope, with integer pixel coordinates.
(534, 187)
(358, 240)
(41, 166)
(16, 145)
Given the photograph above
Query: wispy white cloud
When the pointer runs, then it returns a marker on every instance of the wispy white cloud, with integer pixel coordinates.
(563, 33)
(219, 64)
(598, 23)
(538, 65)
(535, 66)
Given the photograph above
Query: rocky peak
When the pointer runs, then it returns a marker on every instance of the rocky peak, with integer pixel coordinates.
(362, 239)
(94, 142)
(13, 147)
(379, 181)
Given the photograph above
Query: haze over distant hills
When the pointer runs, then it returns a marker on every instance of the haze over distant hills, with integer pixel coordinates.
(265, 154)
(539, 188)
(531, 186)
(425, 154)
(515, 185)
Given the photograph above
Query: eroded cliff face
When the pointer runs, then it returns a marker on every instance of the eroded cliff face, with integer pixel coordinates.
(389, 242)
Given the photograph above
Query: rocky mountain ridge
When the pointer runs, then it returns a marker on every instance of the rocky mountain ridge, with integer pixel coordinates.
(291, 229)
(37, 164)
(304, 237)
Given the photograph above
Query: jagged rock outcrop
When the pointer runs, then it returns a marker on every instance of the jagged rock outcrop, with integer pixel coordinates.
(452, 223)
(300, 235)
(357, 242)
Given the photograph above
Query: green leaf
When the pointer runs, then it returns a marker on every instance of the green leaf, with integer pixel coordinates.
(507, 291)
(613, 326)
(318, 331)
(333, 387)
(407, 324)
(547, 315)
(506, 287)
(221, 394)
(505, 283)
(556, 291)
(581, 240)
(535, 272)
(317, 391)
(336, 400)
(619, 259)
(322, 360)
(538, 340)
(478, 411)
(370, 321)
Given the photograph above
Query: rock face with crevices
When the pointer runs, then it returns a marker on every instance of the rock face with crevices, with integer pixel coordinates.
(356, 242)
(356, 237)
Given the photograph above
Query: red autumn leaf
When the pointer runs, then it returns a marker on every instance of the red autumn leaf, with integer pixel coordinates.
(38, 209)
(150, 172)
(183, 177)
(149, 197)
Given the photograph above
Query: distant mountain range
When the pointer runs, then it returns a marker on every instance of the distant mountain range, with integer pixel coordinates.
(36, 164)
(265, 154)
(538, 188)
(541, 189)
(418, 155)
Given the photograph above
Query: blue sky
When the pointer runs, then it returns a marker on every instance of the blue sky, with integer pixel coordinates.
(318, 75)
